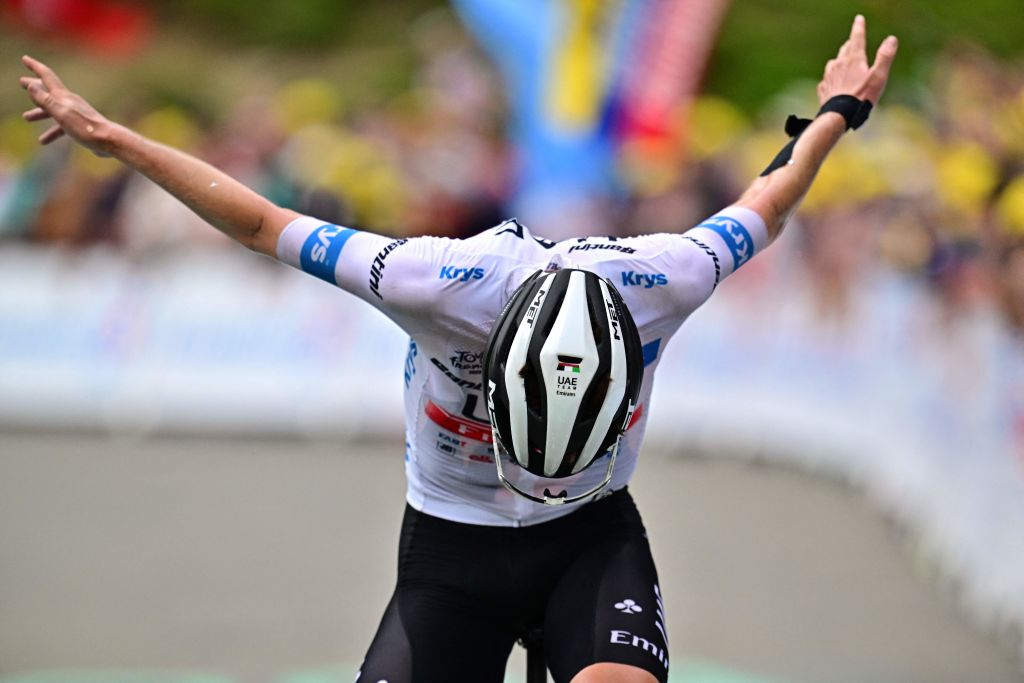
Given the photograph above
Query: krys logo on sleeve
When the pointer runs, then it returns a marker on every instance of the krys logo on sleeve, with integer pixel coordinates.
(632, 278)
(736, 237)
(320, 251)
(461, 274)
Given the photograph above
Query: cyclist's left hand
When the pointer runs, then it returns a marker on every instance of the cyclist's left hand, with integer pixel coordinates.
(850, 74)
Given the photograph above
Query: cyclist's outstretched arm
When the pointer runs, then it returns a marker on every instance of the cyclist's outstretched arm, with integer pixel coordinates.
(776, 194)
(219, 199)
(301, 241)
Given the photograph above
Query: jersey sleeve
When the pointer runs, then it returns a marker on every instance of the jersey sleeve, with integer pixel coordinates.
(391, 274)
(730, 238)
(699, 259)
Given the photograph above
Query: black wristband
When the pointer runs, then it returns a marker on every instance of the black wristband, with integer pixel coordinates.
(796, 125)
(855, 112)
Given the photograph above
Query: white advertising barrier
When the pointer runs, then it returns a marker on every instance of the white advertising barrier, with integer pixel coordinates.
(923, 411)
(218, 341)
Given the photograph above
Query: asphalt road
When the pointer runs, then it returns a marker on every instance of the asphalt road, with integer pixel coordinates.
(262, 557)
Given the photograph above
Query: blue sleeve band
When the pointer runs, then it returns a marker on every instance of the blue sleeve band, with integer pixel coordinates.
(650, 351)
(321, 249)
(736, 237)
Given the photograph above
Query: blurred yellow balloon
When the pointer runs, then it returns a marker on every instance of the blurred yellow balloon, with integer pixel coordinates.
(352, 167)
(966, 175)
(758, 150)
(171, 126)
(714, 123)
(94, 166)
(377, 196)
(1008, 124)
(847, 177)
(900, 144)
(18, 138)
(1010, 207)
(305, 102)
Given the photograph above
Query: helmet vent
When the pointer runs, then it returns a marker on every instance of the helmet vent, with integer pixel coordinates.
(597, 395)
(532, 389)
(570, 459)
(597, 324)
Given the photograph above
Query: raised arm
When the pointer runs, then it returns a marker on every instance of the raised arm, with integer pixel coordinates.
(778, 192)
(217, 198)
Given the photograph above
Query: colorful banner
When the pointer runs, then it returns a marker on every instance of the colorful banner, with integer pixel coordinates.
(662, 67)
(105, 26)
(583, 77)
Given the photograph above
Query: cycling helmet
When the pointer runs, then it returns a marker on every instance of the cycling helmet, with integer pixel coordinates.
(563, 367)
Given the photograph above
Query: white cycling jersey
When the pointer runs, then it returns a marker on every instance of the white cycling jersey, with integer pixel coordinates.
(446, 294)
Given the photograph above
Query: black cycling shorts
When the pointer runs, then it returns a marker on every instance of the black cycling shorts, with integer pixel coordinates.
(465, 593)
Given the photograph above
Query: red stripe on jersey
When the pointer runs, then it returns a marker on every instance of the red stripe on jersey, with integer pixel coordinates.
(471, 429)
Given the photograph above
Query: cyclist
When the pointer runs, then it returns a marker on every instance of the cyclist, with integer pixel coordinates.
(542, 351)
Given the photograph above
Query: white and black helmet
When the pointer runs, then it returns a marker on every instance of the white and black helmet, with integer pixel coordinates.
(563, 368)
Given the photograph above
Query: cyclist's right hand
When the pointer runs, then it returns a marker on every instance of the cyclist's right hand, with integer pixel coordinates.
(71, 114)
(214, 196)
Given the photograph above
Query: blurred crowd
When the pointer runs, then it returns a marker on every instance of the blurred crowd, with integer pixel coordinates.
(933, 189)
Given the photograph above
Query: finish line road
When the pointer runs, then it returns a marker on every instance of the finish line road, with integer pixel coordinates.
(253, 559)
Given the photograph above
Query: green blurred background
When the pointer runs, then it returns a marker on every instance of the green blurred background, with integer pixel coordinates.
(762, 44)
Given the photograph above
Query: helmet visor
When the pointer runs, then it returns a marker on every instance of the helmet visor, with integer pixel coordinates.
(548, 497)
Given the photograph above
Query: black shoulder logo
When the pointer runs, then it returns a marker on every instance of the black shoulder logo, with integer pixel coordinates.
(377, 268)
(512, 226)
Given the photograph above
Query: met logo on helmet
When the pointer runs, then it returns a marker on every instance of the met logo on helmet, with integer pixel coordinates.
(631, 278)
(613, 316)
(461, 274)
(531, 312)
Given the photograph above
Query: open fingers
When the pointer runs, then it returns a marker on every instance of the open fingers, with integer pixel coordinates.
(854, 47)
(45, 73)
(37, 114)
(52, 133)
(885, 55)
(38, 93)
(858, 34)
(27, 81)
(883, 61)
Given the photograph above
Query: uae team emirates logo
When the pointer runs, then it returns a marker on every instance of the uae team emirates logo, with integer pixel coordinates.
(569, 364)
